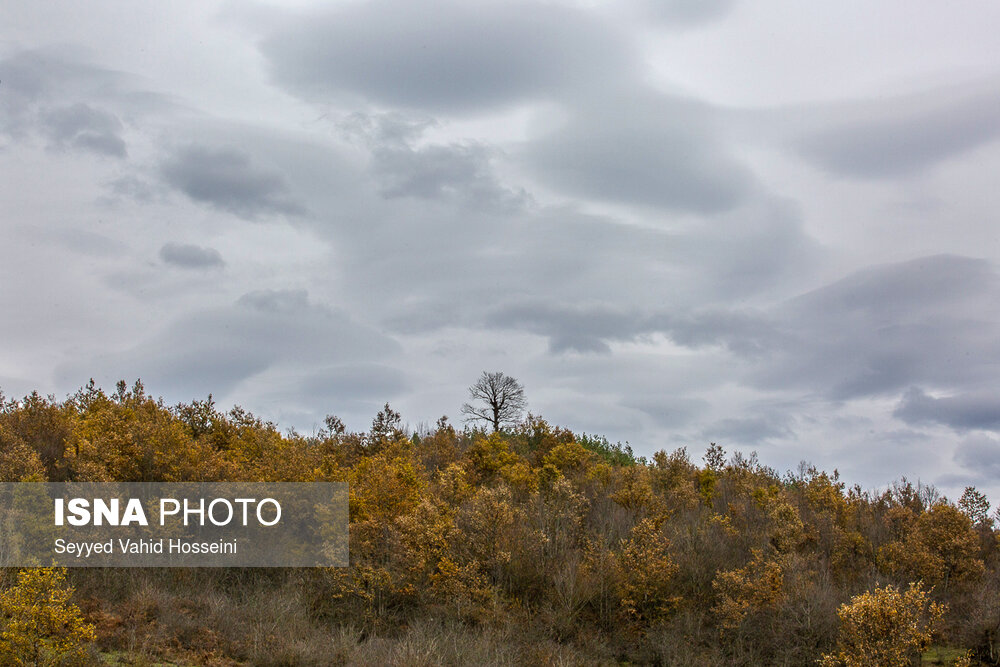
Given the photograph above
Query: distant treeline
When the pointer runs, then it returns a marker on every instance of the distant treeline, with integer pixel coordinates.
(532, 545)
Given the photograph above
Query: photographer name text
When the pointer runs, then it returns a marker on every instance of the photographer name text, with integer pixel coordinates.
(127, 546)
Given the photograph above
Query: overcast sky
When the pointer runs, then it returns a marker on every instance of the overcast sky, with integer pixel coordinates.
(770, 225)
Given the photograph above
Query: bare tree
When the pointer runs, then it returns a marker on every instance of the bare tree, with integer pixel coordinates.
(502, 399)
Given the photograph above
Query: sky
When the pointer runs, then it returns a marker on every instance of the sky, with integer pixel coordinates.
(768, 225)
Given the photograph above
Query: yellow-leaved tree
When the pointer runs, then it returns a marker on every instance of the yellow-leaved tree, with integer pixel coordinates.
(756, 588)
(646, 571)
(885, 627)
(40, 626)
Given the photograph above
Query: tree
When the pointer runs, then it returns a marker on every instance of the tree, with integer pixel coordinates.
(386, 426)
(502, 397)
(39, 625)
(885, 626)
(975, 506)
(758, 587)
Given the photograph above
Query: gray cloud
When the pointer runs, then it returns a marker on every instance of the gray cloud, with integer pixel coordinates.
(191, 256)
(745, 332)
(452, 215)
(276, 302)
(591, 328)
(227, 179)
(668, 411)
(74, 104)
(214, 350)
(865, 335)
(670, 280)
(459, 172)
(82, 242)
(688, 12)
(871, 333)
(443, 55)
(982, 455)
(83, 127)
(502, 257)
(571, 328)
(748, 430)
(38, 73)
(961, 412)
(31, 78)
(353, 383)
(133, 188)
(639, 283)
(760, 247)
(904, 135)
(456, 171)
(642, 149)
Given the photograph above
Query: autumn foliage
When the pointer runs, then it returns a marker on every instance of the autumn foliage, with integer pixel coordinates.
(885, 626)
(40, 624)
(530, 545)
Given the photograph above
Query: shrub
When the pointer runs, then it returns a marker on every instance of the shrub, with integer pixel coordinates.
(885, 627)
(40, 625)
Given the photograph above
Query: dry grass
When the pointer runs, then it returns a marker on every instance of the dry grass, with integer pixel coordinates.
(151, 617)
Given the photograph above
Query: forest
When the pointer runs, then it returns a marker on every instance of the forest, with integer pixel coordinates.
(525, 545)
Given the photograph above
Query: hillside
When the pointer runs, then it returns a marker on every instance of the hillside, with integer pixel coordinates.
(532, 545)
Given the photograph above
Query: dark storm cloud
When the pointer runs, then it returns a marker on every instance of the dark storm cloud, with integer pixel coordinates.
(442, 55)
(83, 127)
(214, 350)
(191, 256)
(642, 149)
(904, 135)
(961, 412)
(227, 179)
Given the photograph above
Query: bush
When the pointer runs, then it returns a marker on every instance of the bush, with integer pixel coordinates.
(885, 627)
(40, 625)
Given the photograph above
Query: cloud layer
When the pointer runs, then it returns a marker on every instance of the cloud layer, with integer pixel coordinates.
(227, 179)
(676, 222)
(441, 56)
